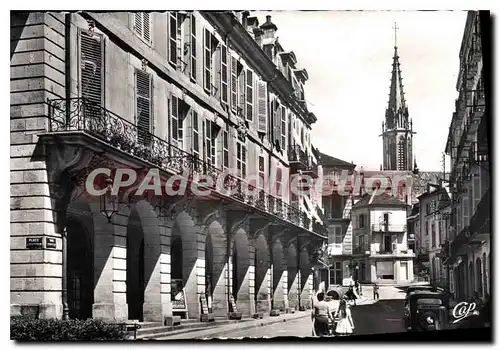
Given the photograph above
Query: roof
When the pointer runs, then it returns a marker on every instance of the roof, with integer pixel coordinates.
(437, 192)
(327, 161)
(379, 200)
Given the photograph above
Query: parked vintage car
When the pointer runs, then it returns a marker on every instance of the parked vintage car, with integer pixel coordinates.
(426, 310)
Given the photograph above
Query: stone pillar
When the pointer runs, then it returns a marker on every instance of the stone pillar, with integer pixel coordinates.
(110, 264)
(35, 274)
(262, 275)
(293, 276)
(165, 261)
(251, 278)
(306, 278)
(220, 272)
(280, 277)
(155, 306)
(373, 271)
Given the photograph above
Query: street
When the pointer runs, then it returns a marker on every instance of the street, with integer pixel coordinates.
(382, 317)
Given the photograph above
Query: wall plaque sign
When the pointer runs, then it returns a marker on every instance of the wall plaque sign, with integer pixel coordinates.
(50, 243)
(34, 243)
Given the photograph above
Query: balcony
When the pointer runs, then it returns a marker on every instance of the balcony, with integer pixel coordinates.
(68, 116)
(311, 169)
(393, 253)
(335, 249)
(344, 214)
(361, 250)
(297, 158)
(388, 228)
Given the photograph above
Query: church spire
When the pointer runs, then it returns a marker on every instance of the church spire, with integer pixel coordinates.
(397, 131)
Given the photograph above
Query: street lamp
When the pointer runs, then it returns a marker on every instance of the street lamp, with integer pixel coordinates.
(108, 202)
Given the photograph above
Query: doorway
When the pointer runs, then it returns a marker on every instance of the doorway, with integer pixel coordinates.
(387, 244)
(135, 267)
(80, 271)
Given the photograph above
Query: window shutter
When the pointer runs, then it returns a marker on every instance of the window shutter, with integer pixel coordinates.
(216, 69)
(277, 124)
(193, 46)
(146, 22)
(143, 95)
(91, 67)
(283, 128)
(234, 84)
(224, 74)
(174, 120)
(207, 61)
(262, 106)
(249, 95)
(172, 38)
(242, 90)
(138, 23)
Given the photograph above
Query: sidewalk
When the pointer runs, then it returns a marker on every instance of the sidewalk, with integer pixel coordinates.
(236, 326)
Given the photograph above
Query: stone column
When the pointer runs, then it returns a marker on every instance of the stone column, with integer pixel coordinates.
(280, 277)
(251, 279)
(293, 276)
(110, 264)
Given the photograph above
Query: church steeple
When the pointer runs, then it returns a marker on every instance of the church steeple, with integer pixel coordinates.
(397, 131)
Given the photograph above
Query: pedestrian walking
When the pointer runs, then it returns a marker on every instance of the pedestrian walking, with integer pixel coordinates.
(345, 324)
(375, 292)
(351, 295)
(321, 315)
(356, 285)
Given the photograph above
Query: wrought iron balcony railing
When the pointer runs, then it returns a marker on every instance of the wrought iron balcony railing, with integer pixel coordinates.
(297, 155)
(388, 228)
(78, 114)
(360, 250)
(311, 168)
(344, 214)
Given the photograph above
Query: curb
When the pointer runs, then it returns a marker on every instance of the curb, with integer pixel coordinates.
(216, 333)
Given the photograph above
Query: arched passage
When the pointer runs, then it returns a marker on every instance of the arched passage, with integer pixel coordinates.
(479, 277)
(279, 277)
(80, 270)
(135, 267)
(293, 276)
(262, 274)
(241, 262)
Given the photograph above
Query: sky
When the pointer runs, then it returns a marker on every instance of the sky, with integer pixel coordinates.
(348, 56)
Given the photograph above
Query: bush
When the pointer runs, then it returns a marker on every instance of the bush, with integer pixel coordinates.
(29, 328)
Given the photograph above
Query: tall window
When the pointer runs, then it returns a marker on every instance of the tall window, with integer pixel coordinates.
(211, 131)
(224, 75)
(279, 182)
(172, 38)
(427, 228)
(338, 235)
(193, 46)
(143, 25)
(361, 221)
(249, 97)
(386, 219)
(207, 65)
(433, 235)
(241, 159)
(196, 134)
(225, 149)
(178, 111)
(261, 172)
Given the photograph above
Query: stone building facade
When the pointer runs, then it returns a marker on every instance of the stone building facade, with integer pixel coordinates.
(207, 98)
(468, 146)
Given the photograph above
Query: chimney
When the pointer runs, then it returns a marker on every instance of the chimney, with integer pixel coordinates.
(244, 19)
(269, 28)
(258, 36)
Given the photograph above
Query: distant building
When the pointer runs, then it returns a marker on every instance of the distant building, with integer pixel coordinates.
(337, 212)
(380, 240)
(433, 222)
